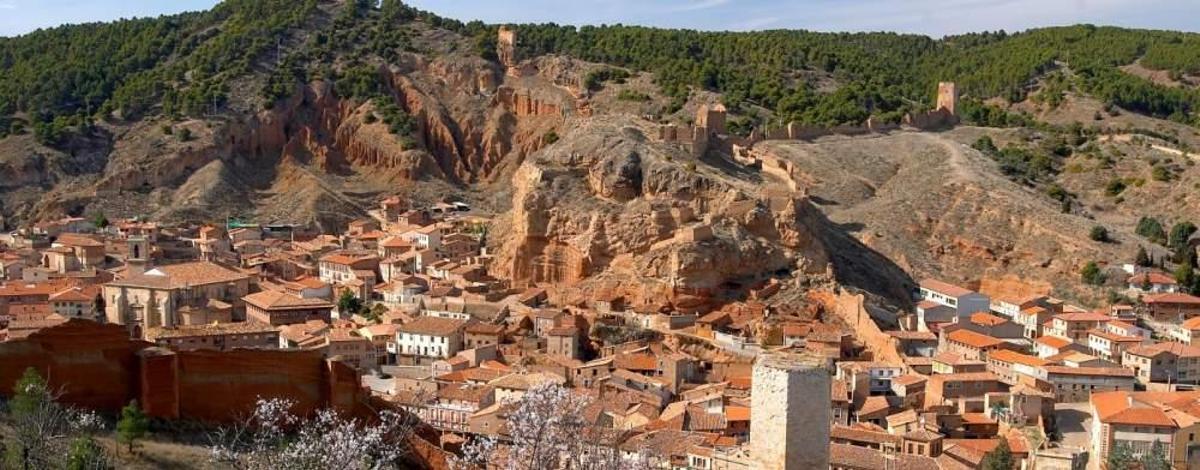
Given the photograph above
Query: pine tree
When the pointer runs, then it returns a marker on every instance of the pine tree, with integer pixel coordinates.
(1000, 458)
(1143, 258)
(133, 424)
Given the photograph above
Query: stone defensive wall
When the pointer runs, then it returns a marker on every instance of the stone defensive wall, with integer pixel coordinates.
(851, 310)
(99, 367)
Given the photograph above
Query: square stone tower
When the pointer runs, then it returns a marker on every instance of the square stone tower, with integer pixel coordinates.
(711, 118)
(789, 412)
(506, 46)
(947, 97)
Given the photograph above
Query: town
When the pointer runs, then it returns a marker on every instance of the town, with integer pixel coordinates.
(331, 234)
(405, 300)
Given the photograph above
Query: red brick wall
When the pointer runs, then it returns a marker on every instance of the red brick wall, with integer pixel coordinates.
(94, 366)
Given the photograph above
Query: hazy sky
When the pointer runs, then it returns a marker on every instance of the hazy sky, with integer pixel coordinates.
(932, 17)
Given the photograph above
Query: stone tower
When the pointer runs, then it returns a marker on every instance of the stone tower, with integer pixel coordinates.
(506, 46)
(947, 97)
(712, 118)
(138, 257)
(789, 412)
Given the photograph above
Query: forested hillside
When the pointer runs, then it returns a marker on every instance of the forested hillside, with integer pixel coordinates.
(58, 79)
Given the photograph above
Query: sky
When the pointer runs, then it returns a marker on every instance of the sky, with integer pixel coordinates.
(931, 17)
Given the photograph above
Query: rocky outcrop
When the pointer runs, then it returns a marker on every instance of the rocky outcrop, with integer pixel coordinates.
(604, 208)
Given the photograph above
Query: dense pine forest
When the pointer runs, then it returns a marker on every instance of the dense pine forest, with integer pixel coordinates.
(63, 78)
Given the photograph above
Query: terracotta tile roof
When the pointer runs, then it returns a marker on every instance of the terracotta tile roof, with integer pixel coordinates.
(176, 276)
(909, 380)
(873, 405)
(1171, 298)
(464, 392)
(964, 377)
(737, 413)
(1114, 337)
(928, 304)
(977, 418)
(481, 328)
(1129, 409)
(1054, 341)
(987, 319)
(857, 434)
(14, 289)
(636, 361)
(275, 300)
(1191, 324)
(1083, 317)
(1177, 349)
(213, 329)
(856, 457)
(350, 259)
(432, 326)
(973, 339)
(1013, 357)
(75, 239)
(1104, 371)
(74, 294)
(912, 335)
(945, 288)
(1153, 277)
(954, 359)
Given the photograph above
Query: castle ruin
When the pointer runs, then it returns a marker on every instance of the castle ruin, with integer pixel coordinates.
(709, 129)
(789, 424)
(506, 47)
(947, 98)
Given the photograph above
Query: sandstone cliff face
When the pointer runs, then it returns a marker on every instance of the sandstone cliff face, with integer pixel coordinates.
(473, 125)
(604, 208)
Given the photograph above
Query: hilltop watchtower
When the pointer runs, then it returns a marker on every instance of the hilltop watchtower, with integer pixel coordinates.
(947, 97)
(506, 46)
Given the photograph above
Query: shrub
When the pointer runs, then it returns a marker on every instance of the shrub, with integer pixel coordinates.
(1114, 187)
(1092, 275)
(1098, 233)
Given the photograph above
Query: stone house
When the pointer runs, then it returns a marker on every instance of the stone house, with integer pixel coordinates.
(963, 301)
(76, 302)
(563, 341)
(1165, 362)
(969, 344)
(1171, 307)
(479, 334)
(1187, 332)
(1076, 384)
(354, 269)
(281, 308)
(943, 389)
(215, 337)
(1152, 282)
(1032, 319)
(1137, 419)
(156, 297)
(1075, 325)
(428, 338)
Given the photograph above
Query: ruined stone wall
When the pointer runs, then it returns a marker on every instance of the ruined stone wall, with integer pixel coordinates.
(850, 309)
(933, 120)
